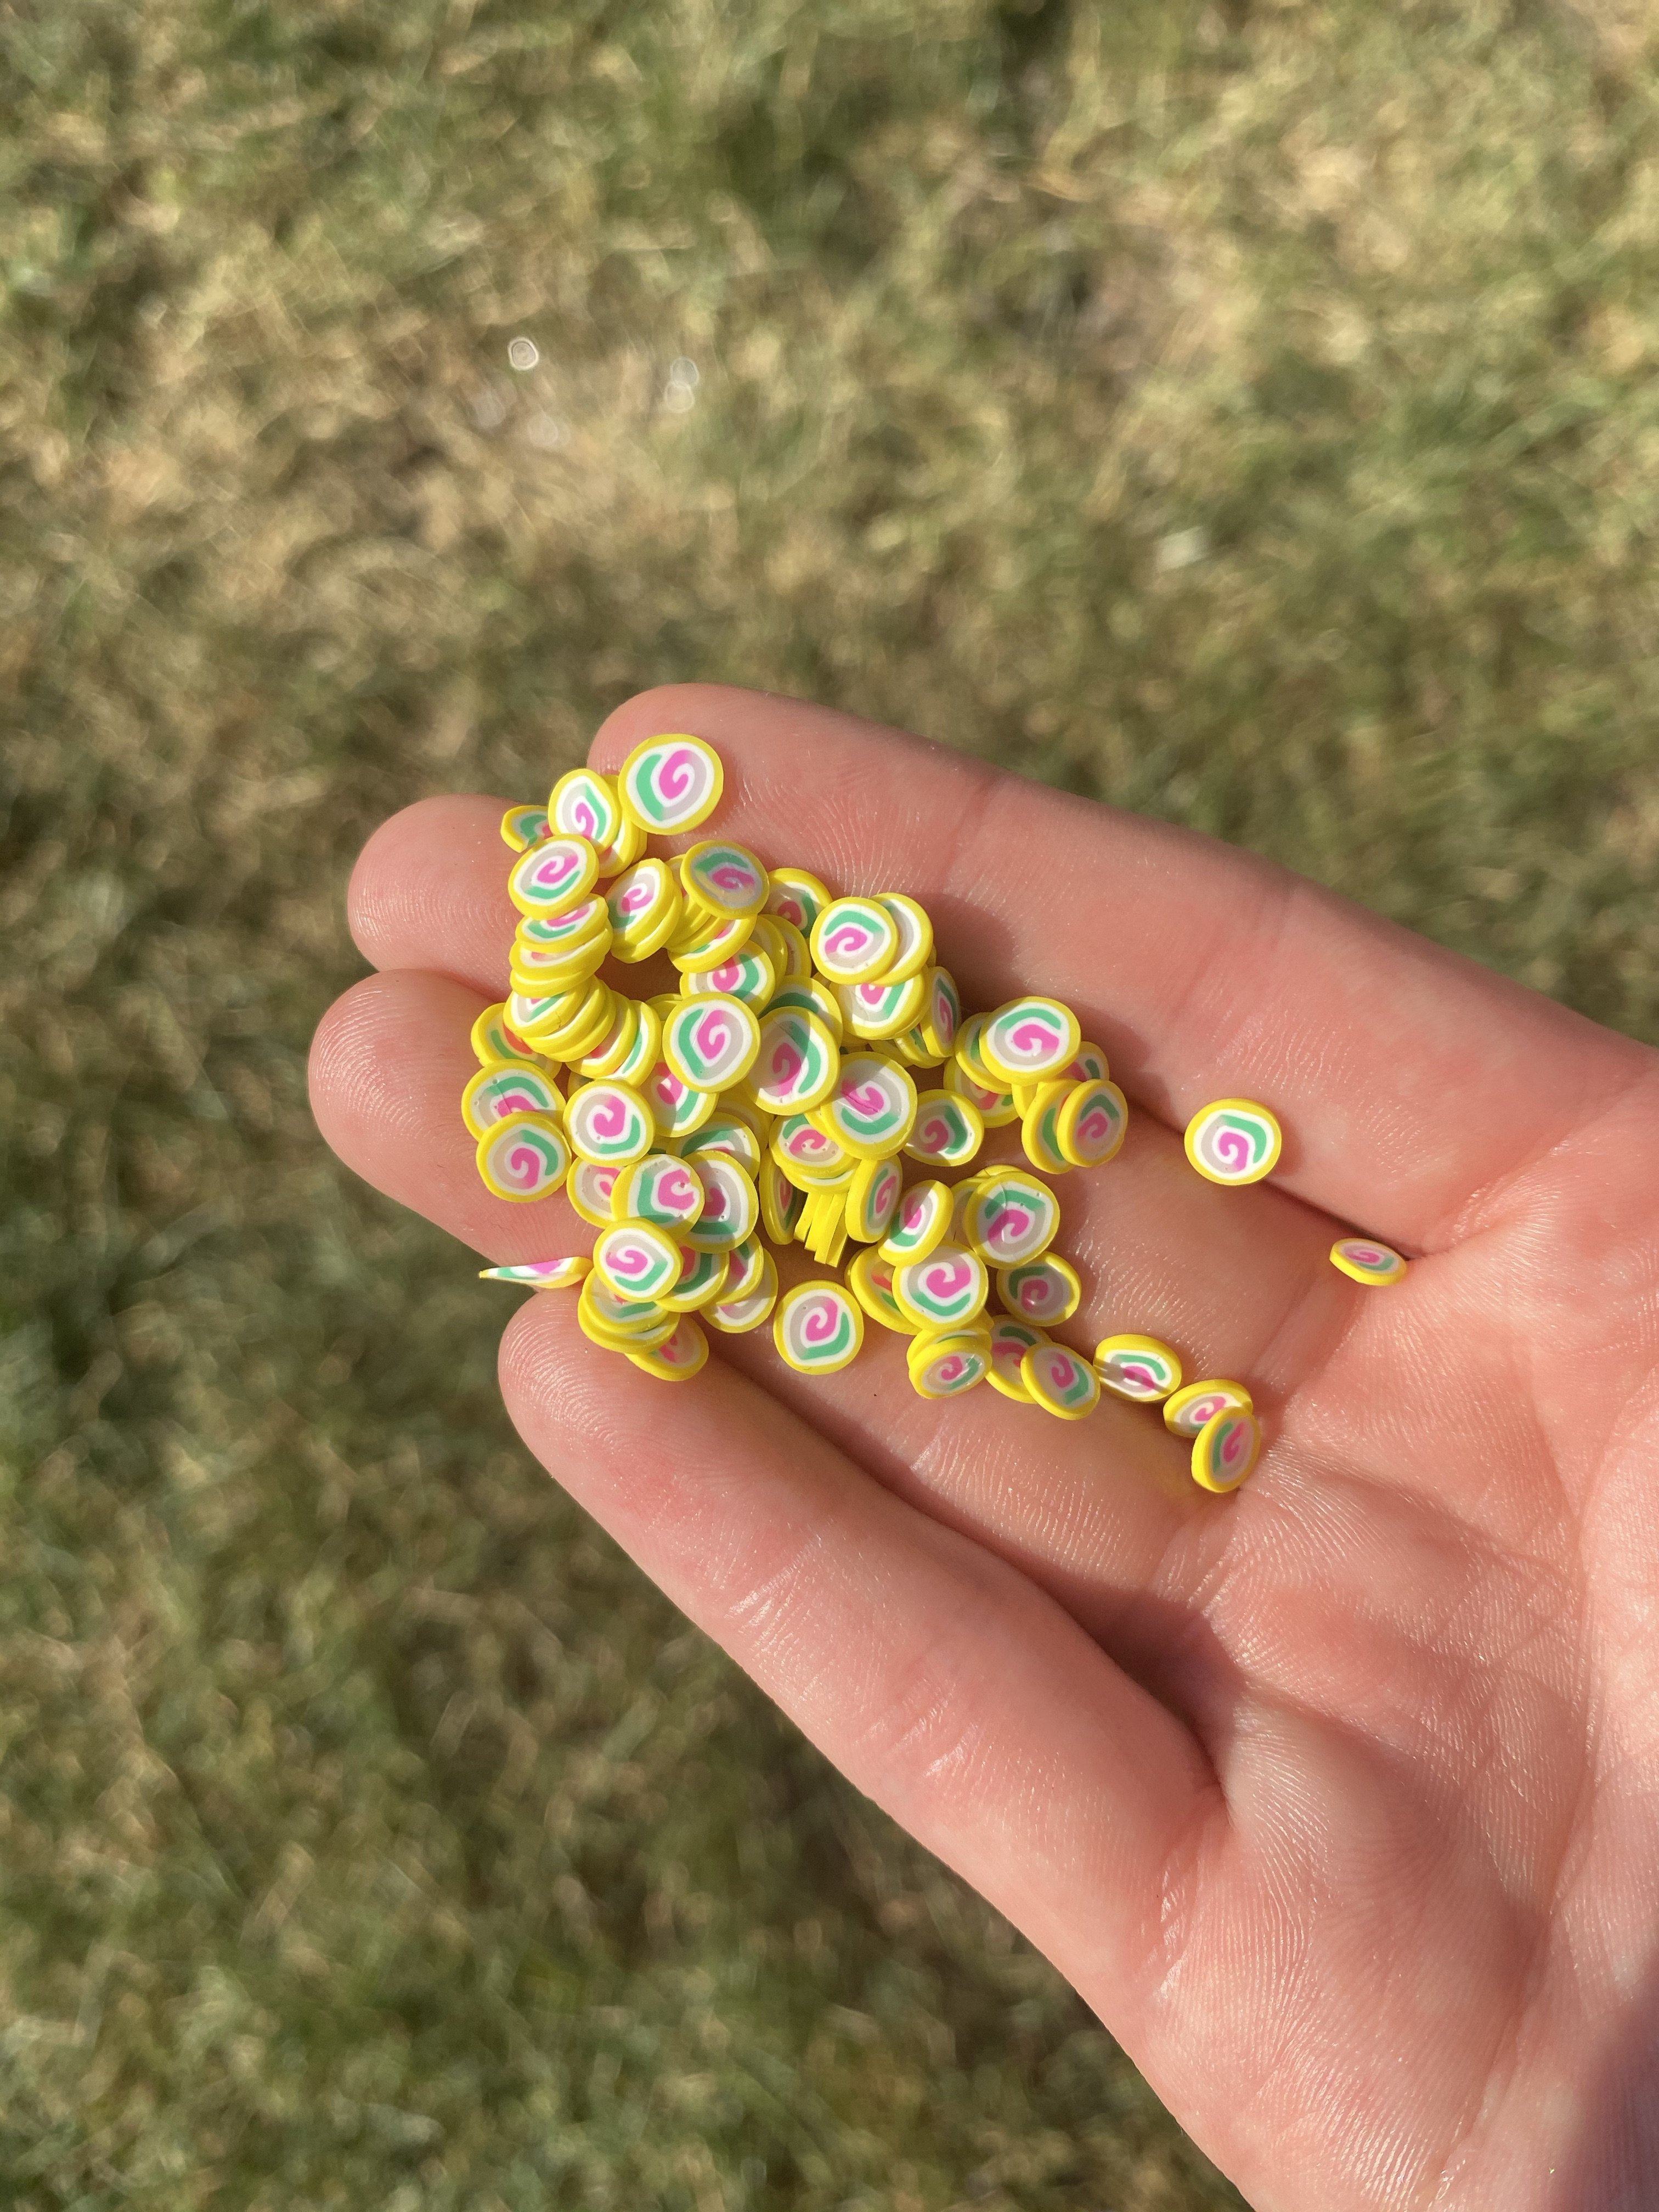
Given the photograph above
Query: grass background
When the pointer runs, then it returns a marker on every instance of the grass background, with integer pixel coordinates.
(1247, 412)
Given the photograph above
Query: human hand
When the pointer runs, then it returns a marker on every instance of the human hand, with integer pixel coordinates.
(1335, 1798)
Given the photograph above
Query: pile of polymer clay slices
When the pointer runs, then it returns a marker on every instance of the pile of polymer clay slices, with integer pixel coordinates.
(815, 1046)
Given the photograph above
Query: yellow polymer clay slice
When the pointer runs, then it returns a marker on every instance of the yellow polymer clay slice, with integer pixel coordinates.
(1225, 1449)
(1366, 1262)
(1234, 1140)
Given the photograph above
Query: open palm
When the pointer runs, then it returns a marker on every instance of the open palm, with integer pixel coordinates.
(1335, 1798)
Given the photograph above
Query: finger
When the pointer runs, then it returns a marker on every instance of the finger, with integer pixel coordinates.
(429, 891)
(1410, 1081)
(388, 1064)
(934, 1675)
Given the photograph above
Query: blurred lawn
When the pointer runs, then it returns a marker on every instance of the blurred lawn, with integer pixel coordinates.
(1246, 412)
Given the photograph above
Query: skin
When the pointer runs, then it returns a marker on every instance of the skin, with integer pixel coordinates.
(1335, 1798)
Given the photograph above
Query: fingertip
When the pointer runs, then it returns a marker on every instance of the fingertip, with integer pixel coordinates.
(383, 1050)
(429, 891)
(344, 1071)
(537, 1368)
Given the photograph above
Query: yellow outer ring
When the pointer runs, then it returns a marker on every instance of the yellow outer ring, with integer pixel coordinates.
(575, 1008)
(600, 1331)
(924, 1322)
(1010, 1076)
(647, 1232)
(1200, 1456)
(763, 1295)
(955, 1077)
(1043, 1258)
(577, 1041)
(625, 849)
(491, 1067)
(771, 1182)
(1039, 1154)
(1357, 1274)
(631, 947)
(1244, 1106)
(750, 1024)
(598, 931)
(886, 1313)
(796, 963)
(572, 1270)
(548, 1127)
(691, 821)
(881, 1032)
(1061, 1413)
(1015, 1392)
(786, 1305)
(651, 1363)
(821, 1091)
(944, 1209)
(510, 836)
(572, 894)
(1130, 1342)
(1067, 1120)
(725, 913)
(722, 1239)
(600, 1062)
(823, 1116)
(922, 1348)
(484, 1047)
(858, 1192)
(678, 1302)
(871, 971)
(796, 879)
(707, 951)
(579, 1206)
(971, 1114)
(966, 1049)
(910, 964)
(1176, 1399)
(707, 1101)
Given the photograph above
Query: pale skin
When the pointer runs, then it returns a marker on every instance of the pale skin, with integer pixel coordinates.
(1338, 1799)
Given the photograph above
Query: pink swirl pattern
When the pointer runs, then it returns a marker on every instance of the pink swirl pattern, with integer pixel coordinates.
(512, 1090)
(1010, 1219)
(1364, 1260)
(1225, 1449)
(1010, 1342)
(1029, 1038)
(730, 1205)
(854, 939)
(1056, 1377)
(667, 1192)
(873, 1104)
(1190, 1411)
(711, 1042)
(1138, 1368)
(943, 1290)
(949, 1371)
(523, 1156)
(1236, 1141)
(637, 1260)
(608, 1122)
(670, 783)
(818, 1329)
(584, 805)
